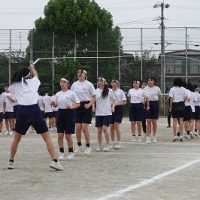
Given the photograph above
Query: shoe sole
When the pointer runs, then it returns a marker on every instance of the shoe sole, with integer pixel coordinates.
(55, 168)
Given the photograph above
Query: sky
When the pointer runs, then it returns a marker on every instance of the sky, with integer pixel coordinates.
(126, 13)
(21, 14)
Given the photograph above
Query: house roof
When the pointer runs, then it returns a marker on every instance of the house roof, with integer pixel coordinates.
(190, 52)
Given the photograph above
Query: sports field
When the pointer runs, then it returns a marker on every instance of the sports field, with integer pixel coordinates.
(139, 171)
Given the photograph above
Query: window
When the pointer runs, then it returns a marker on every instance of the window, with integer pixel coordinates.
(169, 66)
(179, 66)
(194, 67)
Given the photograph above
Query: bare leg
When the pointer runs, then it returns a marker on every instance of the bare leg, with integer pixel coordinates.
(14, 145)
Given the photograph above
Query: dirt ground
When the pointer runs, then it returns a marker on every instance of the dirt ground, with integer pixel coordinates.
(139, 171)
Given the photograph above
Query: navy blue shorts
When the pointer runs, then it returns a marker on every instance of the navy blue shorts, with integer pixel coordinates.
(15, 110)
(117, 115)
(102, 121)
(83, 115)
(30, 116)
(9, 115)
(55, 113)
(178, 110)
(187, 113)
(1, 117)
(43, 114)
(153, 112)
(136, 112)
(48, 115)
(197, 113)
(65, 121)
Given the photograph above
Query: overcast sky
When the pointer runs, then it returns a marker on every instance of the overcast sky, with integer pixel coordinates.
(126, 13)
(21, 14)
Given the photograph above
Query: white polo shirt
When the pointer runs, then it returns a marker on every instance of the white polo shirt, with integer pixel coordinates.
(67, 98)
(83, 89)
(137, 95)
(119, 95)
(26, 93)
(178, 93)
(104, 105)
(153, 92)
(47, 103)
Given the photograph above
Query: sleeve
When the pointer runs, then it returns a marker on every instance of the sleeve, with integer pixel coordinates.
(11, 89)
(159, 91)
(92, 89)
(75, 98)
(123, 96)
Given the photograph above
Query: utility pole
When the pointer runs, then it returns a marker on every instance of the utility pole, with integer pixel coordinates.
(162, 5)
(53, 62)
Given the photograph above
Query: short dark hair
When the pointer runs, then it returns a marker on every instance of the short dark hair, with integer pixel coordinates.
(179, 82)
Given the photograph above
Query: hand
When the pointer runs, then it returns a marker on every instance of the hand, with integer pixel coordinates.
(87, 106)
(147, 108)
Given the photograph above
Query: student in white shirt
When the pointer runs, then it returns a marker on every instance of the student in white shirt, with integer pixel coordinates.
(9, 111)
(178, 95)
(152, 115)
(25, 90)
(137, 97)
(66, 101)
(48, 110)
(105, 104)
(197, 111)
(83, 115)
(117, 115)
(2, 107)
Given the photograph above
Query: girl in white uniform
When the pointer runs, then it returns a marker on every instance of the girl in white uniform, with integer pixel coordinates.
(152, 115)
(83, 115)
(66, 101)
(137, 96)
(178, 95)
(120, 100)
(105, 104)
(197, 112)
(25, 90)
(2, 106)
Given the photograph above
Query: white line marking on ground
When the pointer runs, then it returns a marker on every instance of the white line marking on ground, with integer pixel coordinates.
(145, 182)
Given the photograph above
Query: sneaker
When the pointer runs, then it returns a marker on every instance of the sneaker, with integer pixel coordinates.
(6, 133)
(106, 148)
(51, 129)
(148, 140)
(11, 165)
(168, 126)
(139, 138)
(196, 134)
(187, 136)
(191, 135)
(87, 150)
(175, 139)
(133, 138)
(11, 133)
(56, 165)
(99, 148)
(112, 145)
(181, 138)
(117, 145)
(70, 156)
(154, 140)
(61, 156)
(78, 149)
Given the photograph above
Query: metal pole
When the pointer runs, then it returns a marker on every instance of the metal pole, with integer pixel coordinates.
(141, 39)
(53, 62)
(9, 61)
(75, 46)
(31, 47)
(162, 47)
(119, 62)
(186, 54)
(97, 53)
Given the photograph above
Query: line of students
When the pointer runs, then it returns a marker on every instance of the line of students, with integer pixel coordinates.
(75, 107)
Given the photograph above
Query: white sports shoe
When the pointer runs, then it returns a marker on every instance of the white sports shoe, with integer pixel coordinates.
(78, 149)
(56, 165)
(139, 139)
(106, 148)
(148, 140)
(51, 129)
(61, 156)
(154, 140)
(87, 150)
(133, 138)
(99, 148)
(6, 133)
(11, 165)
(117, 145)
(70, 156)
(187, 136)
(11, 133)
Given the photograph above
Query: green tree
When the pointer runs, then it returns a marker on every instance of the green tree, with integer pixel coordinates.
(80, 19)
